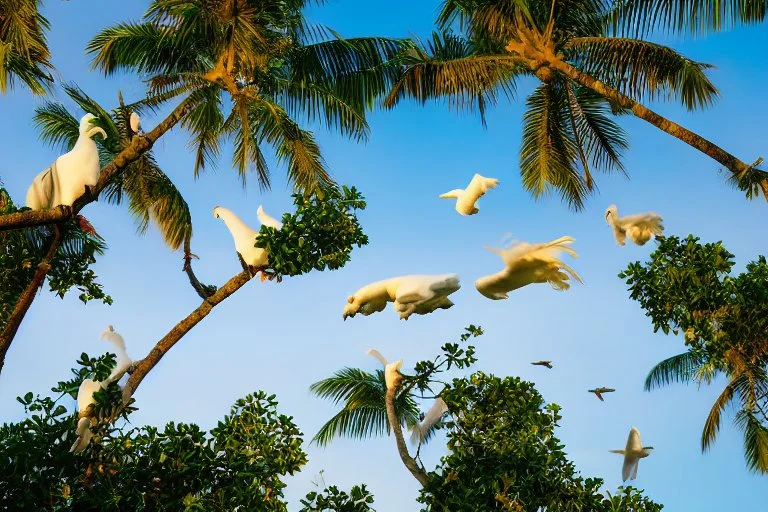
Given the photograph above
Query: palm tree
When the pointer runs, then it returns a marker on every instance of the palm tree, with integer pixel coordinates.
(246, 70)
(152, 196)
(747, 384)
(24, 54)
(364, 413)
(585, 77)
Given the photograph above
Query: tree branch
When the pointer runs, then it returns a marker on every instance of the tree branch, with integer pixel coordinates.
(138, 146)
(28, 295)
(202, 290)
(417, 471)
(144, 366)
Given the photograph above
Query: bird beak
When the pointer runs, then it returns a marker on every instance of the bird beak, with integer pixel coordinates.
(344, 317)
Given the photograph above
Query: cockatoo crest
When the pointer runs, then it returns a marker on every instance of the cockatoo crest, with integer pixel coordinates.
(639, 227)
(466, 199)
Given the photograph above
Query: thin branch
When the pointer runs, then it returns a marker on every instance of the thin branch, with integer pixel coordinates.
(416, 470)
(202, 290)
(28, 296)
(138, 146)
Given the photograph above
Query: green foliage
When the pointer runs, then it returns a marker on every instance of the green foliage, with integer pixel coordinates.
(319, 235)
(334, 500)
(21, 250)
(24, 54)
(629, 499)
(240, 463)
(687, 286)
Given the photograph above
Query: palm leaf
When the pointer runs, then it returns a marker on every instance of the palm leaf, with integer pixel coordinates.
(56, 126)
(679, 368)
(712, 424)
(755, 441)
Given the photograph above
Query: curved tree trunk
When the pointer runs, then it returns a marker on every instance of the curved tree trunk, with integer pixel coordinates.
(417, 472)
(714, 151)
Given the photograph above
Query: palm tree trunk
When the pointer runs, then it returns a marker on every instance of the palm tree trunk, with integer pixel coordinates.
(28, 295)
(417, 472)
(138, 146)
(732, 163)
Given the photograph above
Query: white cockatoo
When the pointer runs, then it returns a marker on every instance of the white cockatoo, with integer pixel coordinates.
(466, 199)
(632, 454)
(392, 375)
(135, 124)
(525, 264)
(69, 175)
(268, 220)
(420, 294)
(123, 361)
(433, 415)
(84, 400)
(245, 236)
(639, 227)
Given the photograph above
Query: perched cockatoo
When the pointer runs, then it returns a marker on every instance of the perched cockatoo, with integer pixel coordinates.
(123, 361)
(639, 227)
(526, 263)
(245, 236)
(466, 200)
(268, 220)
(69, 175)
(84, 399)
(599, 392)
(392, 375)
(135, 124)
(632, 454)
(433, 415)
(420, 294)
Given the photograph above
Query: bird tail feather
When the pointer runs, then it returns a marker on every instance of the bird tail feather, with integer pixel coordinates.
(375, 353)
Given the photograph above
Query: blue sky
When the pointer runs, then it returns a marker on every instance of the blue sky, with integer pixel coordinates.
(281, 338)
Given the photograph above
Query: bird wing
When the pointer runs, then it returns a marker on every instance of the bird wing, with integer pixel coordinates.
(268, 220)
(599, 395)
(83, 434)
(433, 415)
(414, 289)
(634, 468)
(375, 353)
(85, 393)
(135, 122)
(528, 263)
(633, 442)
(629, 463)
(480, 185)
(649, 220)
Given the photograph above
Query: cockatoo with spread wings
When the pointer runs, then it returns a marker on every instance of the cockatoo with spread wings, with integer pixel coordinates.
(71, 173)
(632, 454)
(419, 294)
(466, 200)
(392, 375)
(433, 415)
(525, 264)
(123, 361)
(84, 400)
(245, 236)
(639, 227)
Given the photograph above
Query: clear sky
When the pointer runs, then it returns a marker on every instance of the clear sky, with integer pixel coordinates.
(281, 338)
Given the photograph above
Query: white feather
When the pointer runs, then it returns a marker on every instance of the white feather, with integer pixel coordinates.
(419, 294)
(84, 400)
(466, 199)
(633, 452)
(66, 179)
(375, 353)
(526, 264)
(392, 372)
(244, 237)
(124, 362)
(135, 123)
(433, 415)
(639, 227)
(267, 220)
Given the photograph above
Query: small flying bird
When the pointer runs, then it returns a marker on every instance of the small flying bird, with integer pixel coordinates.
(466, 199)
(548, 364)
(632, 454)
(639, 227)
(84, 400)
(123, 361)
(392, 375)
(434, 414)
(245, 238)
(525, 264)
(419, 294)
(599, 392)
(71, 174)
(135, 123)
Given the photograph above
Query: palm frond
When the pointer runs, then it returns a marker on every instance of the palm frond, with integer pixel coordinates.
(56, 126)
(679, 368)
(712, 424)
(24, 53)
(205, 122)
(755, 441)
(644, 70)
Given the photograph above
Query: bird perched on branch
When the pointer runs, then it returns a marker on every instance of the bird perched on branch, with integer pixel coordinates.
(632, 454)
(599, 392)
(419, 294)
(71, 174)
(134, 122)
(639, 227)
(123, 361)
(548, 364)
(392, 375)
(525, 264)
(434, 414)
(466, 199)
(254, 258)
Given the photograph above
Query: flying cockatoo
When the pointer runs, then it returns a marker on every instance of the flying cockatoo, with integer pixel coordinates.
(392, 375)
(548, 364)
(84, 400)
(268, 220)
(71, 173)
(599, 392)
(123, 361)
(526, 263)
(433, 415)
(420, 294)
(135, 123)
(639, 227)
(245, 237)
(632, 454)
(466, 199)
